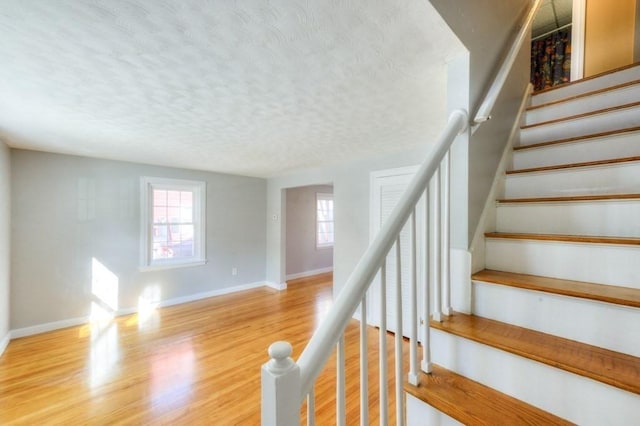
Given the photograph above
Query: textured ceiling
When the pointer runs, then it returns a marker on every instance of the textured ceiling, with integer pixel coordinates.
(552, 14)
(257, 88)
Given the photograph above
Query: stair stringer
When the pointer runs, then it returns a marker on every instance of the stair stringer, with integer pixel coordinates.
(570, 396)
(487, 220)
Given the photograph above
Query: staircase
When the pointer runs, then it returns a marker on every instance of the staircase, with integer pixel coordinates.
(554, 337)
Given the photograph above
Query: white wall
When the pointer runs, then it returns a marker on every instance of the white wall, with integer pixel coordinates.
(302, 255)
(351, 194)
(487, 28)
(5, 239)
(54, 241)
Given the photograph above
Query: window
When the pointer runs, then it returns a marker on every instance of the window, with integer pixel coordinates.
(173, 223)
(324, 220)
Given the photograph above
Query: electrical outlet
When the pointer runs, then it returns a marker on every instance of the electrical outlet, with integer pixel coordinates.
(234, 271)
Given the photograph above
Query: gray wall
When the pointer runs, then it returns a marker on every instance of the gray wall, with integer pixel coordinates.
(5, 238)
(54, 239)
(487, 28)
(302, 254)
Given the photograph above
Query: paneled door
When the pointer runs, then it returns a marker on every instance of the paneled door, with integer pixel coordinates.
(387, 186)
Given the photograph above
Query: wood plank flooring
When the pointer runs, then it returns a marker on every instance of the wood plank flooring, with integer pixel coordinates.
(195, 363)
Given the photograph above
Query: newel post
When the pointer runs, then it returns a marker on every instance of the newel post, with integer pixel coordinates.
(280, 387)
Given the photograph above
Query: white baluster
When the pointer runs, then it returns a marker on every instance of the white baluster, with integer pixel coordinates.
(364, 352)
(437, 316)
(311, 408)
(413, 332)
(341, 401)
(398, 338)
(446, 235)
(426, 340)
(281, 394)
(384, 399)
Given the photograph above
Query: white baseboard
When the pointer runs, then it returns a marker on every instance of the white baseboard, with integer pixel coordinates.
(207, 294)
(4, 343)
(309, 273)
(276, 286)
(49, 326)
(56, 325)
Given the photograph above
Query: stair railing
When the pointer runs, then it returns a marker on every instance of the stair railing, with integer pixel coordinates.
(286, 383)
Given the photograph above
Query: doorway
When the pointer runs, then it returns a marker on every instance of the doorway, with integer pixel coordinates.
(555, 41)
(309, 230)
(387, 186)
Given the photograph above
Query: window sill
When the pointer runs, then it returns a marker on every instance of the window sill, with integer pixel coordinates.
(172, 265)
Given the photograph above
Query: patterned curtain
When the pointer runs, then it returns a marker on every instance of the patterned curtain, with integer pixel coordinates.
(551, 60)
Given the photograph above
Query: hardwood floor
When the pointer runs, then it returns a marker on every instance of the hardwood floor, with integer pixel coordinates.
(195, 363)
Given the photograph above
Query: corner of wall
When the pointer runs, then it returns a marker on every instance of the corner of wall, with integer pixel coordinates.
(5, 244)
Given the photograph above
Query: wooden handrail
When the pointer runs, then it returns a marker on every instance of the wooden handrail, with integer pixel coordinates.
(484, 112)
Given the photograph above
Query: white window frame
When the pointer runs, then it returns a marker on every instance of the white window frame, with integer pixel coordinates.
(324, 196)
(148, 184)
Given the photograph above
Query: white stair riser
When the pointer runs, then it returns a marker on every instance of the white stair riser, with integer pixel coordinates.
(610, 179)
(420, 413)
(612, 98)
(613, 120)
(617, 146)
(597, 263)
(620, 77)
(586, 321)
(570, 396)
(597, 218)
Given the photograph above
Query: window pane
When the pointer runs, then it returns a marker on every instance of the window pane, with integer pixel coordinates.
(324, 220)
(159, 197)
(186, 198)
(173, 214)
(159, 214)
(173, 198)
(186, 214)
(186, 232)
(160, 233)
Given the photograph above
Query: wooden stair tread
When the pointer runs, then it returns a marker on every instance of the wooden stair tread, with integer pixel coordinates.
(565, 238)
(613, 368)
(584, 95)
(575, 165)
(472, 403)
(591, 77)
(625, 296)
(583, 115)
(595, 197)
(578, 138)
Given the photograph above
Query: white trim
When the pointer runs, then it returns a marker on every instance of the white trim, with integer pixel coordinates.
(168, 265)
(309, 273)
(71, 322)
(49, 326)
(577, 39)
(276, 286)
(207, 294)
(4, 343)
(199, 189)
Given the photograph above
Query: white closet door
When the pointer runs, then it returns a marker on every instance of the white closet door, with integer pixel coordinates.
(386, 189)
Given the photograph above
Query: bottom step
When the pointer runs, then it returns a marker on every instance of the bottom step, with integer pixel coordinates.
(472, 403)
